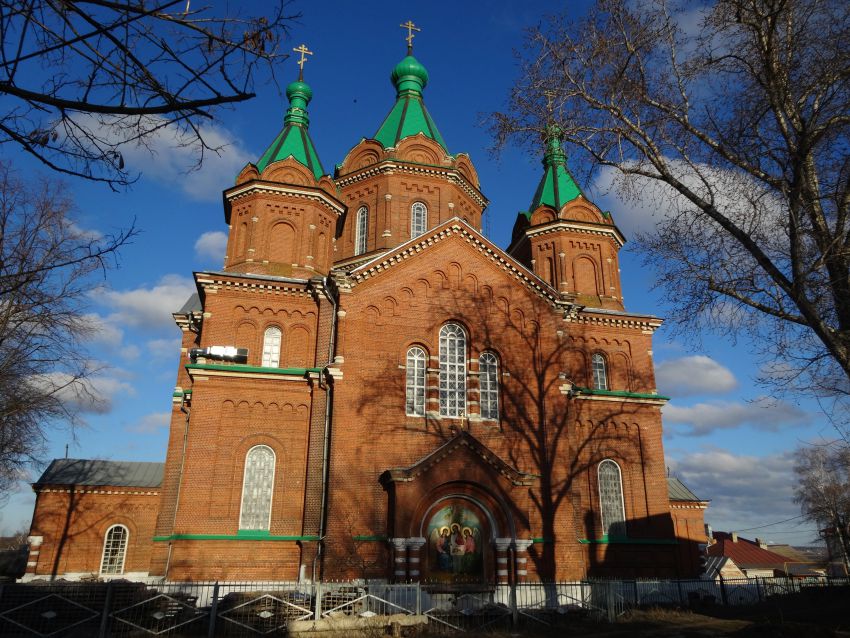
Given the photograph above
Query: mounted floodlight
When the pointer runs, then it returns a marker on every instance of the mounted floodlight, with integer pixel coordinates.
(220, 353)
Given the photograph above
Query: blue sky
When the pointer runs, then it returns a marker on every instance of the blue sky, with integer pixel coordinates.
(723, 436)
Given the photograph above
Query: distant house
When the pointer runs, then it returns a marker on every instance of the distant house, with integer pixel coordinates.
(721, 568)
(688, 511)
(753, 558)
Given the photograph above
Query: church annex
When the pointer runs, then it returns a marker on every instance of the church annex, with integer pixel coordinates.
(370, 387)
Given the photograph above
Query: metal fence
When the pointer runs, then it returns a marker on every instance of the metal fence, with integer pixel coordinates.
(121, 608)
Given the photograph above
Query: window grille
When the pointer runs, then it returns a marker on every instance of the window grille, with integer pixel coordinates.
(600, 372)
(114, 550)
(257, 487)
(488, 367)
(416, 361)
(611, 499)
(418, 219)
(362, 231)
(271, 347)
(452, 370)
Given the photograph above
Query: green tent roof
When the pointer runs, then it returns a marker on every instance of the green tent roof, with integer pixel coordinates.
(408, 116)
(557, 186)
(294, 140)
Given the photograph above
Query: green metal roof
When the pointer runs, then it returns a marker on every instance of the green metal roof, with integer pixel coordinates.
(557, 186)
(294, 140)
(408, 116)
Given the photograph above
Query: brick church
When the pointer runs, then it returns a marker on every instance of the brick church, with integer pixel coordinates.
(370, 388)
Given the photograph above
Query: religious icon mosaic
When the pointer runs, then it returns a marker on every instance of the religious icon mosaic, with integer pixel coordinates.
(455, 544)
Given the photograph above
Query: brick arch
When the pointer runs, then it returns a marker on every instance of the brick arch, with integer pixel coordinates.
(586, 275)
(282, 242)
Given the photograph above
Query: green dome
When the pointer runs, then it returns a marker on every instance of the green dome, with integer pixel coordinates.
(299, 89)
(409, 75)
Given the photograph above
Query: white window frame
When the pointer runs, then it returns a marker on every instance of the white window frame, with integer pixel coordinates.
(620, 504)
(415, 385)
(245, 489)
(599, 369)
(107, 545)
(488, 385)
(361, 234)
(271, 351)
(418, 219)
(452, 370)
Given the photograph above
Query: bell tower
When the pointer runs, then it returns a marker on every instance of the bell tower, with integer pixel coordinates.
(283, 211)
(566, 239)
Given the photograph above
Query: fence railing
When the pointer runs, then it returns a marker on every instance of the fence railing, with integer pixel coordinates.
(121, 608)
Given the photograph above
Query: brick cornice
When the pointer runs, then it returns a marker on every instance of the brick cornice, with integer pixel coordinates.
(268, 188)
(587, 228)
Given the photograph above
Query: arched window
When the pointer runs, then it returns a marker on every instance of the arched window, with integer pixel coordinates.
(488, 367)
(271, 347)
(600, 372)
(418, 219)
(257, 487)
(415, 384)
(114, 550)
(452, 370)
(362, 231)
(611, 499)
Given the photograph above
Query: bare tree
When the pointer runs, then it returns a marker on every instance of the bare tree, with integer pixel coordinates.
(823, 492)
(81, 79)
(46, 267)
(736, 117)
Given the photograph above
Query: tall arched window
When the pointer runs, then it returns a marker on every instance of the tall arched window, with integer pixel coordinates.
(611, 499)
(488, 379)
(257, 487)
(271, 347)
(418, 219)
(452, 370)
(415, 382)
(114, 550)
(600, 372)
(362, 231)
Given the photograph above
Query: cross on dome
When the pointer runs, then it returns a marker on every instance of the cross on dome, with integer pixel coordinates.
(304, 51)
(410, 29)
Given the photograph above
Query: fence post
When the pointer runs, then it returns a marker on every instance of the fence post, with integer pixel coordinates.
(723, 597)
(758, 587)
(679, 587)
(637, 596)
(418, 598)
(213, 611)
(318, 612)
(107, 604)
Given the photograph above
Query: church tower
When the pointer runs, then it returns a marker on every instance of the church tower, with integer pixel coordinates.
(566, 239)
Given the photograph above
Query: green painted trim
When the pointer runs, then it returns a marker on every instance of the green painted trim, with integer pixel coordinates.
(178, 394)
(619, 393)
(628, 541)
(537, 541)
(243, 535)
(240, 368)
(366, 537)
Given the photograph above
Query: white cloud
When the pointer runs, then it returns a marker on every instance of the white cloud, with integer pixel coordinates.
(151, 423)
(745, 491)
(696, 374)
(103, 331)
(762, 413)
(94, 394)
(211, 245)
(149, 307)
(163, 348)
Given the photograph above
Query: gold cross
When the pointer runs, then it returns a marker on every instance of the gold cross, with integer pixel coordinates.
(303, 50)
(410, 29)
(550, 97)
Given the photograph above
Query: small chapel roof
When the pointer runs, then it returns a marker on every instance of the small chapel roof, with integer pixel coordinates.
(95, 472)
(678, 491)
(408, 117)
(557, 186)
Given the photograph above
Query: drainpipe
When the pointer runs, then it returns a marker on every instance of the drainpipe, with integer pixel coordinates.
(328, 387)
(187, 412)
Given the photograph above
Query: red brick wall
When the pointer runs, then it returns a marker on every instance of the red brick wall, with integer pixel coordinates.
(73, 523)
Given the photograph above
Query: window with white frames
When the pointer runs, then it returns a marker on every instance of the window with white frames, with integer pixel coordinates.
(257, 487)
(415, 384)
(271, 347)
(418, 219)
(452, 370)
(362, 231)
(488, 379)
(600, 372)
(114, 550)
(611, 499)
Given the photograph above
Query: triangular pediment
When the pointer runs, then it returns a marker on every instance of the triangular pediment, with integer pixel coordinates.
(456, 230)
(461, 443)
